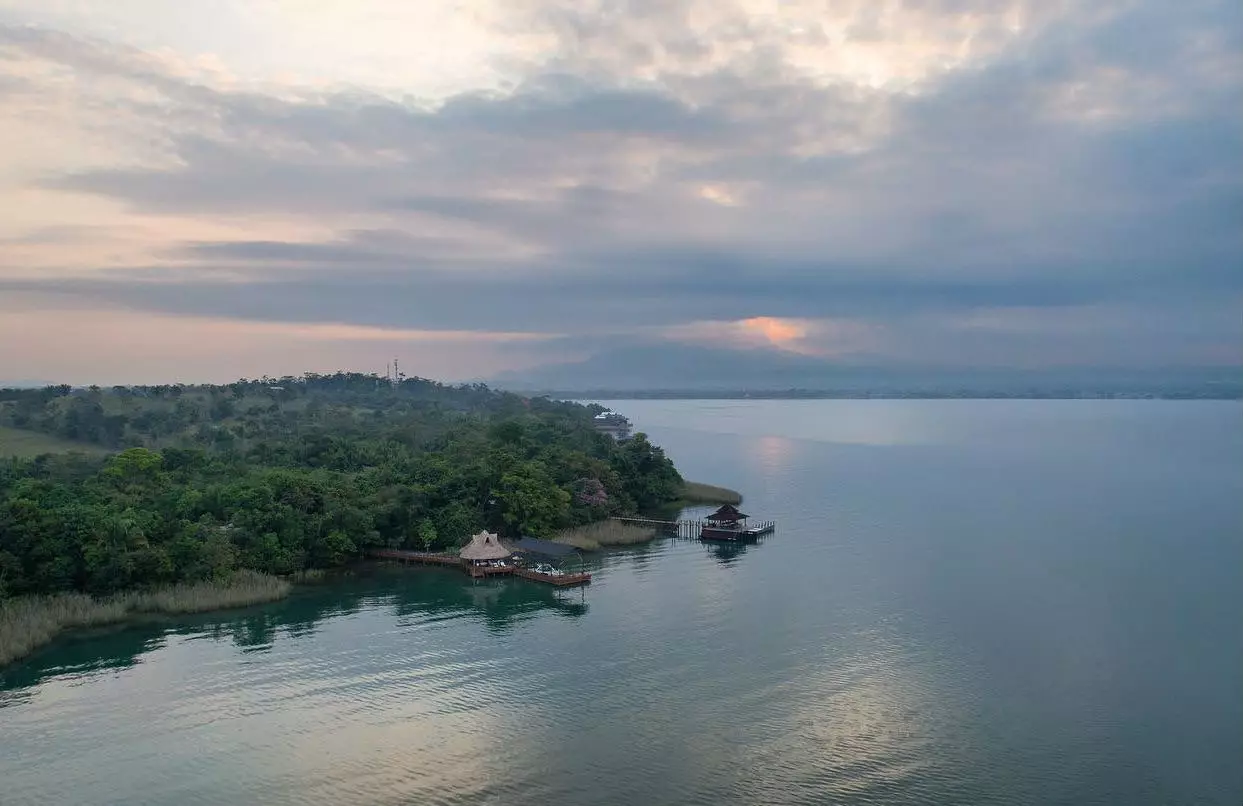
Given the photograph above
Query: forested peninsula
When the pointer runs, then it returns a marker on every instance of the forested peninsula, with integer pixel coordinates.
(186, 486)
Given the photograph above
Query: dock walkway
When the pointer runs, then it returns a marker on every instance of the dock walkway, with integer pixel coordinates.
(406, 556)
(696, 529)
(719, 534)
(560, 580)
(420, 557)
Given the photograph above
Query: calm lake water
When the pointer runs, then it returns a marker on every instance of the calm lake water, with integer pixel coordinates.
(966, 602)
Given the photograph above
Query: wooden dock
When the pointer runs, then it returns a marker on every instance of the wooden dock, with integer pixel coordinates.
(672, 528)
(694, 529)
(485, 571)
(560, 580)
(406, 556)
(418, 557)
(718, 534)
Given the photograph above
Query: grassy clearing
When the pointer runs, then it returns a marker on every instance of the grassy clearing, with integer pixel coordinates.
(29, 622)
(23, 444)
(695, 493)
(595, 536)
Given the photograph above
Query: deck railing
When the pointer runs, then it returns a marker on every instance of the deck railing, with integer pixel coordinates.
(692, 528)
(477, 571)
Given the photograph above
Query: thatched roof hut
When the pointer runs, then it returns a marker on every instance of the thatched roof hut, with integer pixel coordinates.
(484, 546)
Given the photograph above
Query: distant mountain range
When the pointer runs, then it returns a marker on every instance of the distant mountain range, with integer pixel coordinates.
(683, 371)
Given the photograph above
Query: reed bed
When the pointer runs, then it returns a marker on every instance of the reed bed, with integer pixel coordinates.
(29, 622)
(600, 534)
(695, 493)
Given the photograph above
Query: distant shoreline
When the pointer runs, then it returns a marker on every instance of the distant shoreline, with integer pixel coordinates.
(1227, 393)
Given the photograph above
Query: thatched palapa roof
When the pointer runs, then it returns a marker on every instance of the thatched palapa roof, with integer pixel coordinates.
(484, 546)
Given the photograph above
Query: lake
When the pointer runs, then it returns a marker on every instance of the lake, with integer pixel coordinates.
(967, 602)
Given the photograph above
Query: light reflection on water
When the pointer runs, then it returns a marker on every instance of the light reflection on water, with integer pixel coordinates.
(994, 616)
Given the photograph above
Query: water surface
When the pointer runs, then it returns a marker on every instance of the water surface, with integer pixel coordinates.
(992, 602)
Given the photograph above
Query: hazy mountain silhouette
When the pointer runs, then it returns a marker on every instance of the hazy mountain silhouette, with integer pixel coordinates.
(695, 368)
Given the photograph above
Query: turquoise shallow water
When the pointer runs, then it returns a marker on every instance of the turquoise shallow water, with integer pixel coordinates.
(993, 602)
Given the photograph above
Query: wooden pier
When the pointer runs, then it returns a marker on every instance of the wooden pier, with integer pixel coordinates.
(718, 534)
(485, 571)
(695, 529)
(562, 580)
(406, 556)
(418, 557)
(673, 528)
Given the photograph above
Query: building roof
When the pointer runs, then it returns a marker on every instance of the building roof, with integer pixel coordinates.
(727, 512)
(484, 546)
(545, 548)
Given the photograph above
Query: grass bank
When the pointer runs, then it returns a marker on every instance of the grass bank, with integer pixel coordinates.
(695, 493)
(595, 536)
(29, 622)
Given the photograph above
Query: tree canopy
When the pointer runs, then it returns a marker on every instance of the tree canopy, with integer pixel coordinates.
(281, 475)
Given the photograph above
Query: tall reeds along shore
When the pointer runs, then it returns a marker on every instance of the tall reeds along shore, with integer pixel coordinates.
(695, 493)
(595, 536)
(29, 622)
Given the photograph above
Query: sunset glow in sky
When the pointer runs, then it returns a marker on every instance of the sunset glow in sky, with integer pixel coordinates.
(202, 191)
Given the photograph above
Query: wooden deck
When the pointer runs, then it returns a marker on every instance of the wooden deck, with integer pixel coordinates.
(420, 557)
(482, 571)
(560, 580)
(699, 529)
(405, 556)
(688, 528)
(718, 534)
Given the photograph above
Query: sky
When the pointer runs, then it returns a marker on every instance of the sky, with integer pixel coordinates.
(232, 188)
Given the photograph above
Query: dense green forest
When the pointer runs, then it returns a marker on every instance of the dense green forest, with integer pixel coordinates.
(281, 475)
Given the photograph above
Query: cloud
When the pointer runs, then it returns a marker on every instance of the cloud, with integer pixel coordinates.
(820, 338)
(656, 165)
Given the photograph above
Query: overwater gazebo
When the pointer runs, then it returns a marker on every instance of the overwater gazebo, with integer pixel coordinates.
(483, 549)
(728, 517)
(727, 523)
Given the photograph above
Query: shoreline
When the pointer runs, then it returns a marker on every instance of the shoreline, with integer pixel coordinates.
(612, 534)
(604, 534)
(29, 623)
(696, 493)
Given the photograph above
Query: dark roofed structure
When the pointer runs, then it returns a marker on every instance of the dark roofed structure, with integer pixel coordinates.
(728, 513)
(727, 523)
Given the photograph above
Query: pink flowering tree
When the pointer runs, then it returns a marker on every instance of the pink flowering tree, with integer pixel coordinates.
(591, 493)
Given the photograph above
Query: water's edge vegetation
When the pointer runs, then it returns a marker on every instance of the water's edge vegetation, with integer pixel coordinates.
(694, 492)
(602, 534)
(30, 622)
